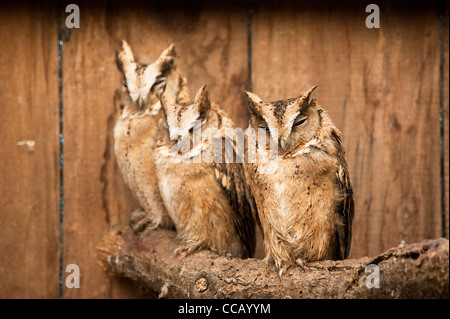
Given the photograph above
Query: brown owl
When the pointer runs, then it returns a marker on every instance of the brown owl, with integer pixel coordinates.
(135, 131)
(305, 205)
(205, 196)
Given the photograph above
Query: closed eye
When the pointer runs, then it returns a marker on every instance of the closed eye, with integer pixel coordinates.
(264, 128)
(194, 128)
(300, 120)
(158, 81)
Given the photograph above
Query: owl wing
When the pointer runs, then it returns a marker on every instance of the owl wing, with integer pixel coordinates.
(345, 206)
(231, 177)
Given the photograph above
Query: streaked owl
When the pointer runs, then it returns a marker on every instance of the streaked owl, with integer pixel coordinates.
(135, 132)
(206, 197)
(305, 206)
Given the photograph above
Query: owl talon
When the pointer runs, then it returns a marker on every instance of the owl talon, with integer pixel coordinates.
(184, 251)
(179, 252)
(140, 221)
(300, 263)
(282, 270)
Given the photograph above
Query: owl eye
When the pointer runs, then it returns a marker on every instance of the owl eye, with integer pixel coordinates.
(300, 120)
(159, 81)
(195, 127)
(264, 128)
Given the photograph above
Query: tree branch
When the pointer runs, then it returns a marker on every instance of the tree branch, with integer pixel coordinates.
(419, 270)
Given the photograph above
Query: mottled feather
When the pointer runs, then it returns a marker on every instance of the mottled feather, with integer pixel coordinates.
(206, 199)
(238, 195)
(305, 207)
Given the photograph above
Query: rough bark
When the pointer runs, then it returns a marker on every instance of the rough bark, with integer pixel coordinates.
(419, 270)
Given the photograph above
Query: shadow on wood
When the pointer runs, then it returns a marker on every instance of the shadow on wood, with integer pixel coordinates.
(419, 270)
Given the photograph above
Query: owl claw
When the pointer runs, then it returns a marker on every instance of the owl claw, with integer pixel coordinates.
(140, 221)
(282, 270)
(300, 263)
(280, 273)
(184, 251)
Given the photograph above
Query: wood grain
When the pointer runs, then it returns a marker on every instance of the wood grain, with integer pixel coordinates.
(211, 41)
(212, 49)
(94, 194)
(381, 88)
(445, 115)
(29, 175)
(205, 275)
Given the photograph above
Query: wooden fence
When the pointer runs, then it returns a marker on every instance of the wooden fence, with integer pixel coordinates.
(386, 89)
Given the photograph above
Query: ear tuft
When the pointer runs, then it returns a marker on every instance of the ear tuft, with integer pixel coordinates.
(202, 99)
(305, 99)
(253, 98)
(126, 65)
(166, 59)
(253, 102)
(170, 51)
(124, 56)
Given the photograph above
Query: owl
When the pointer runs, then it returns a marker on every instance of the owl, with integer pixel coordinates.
(135, 132)
(205, 195)
(304, 206)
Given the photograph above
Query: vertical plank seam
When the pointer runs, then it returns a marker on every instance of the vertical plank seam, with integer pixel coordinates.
(61, 155)
(441, 113)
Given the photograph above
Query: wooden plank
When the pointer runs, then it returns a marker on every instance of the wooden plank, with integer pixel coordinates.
(445, 101)
(381, 88)
(95, 196)
(212, 49)
(29, 173)
(211, 41)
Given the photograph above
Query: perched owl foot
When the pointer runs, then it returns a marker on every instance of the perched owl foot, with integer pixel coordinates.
(184, 251)
(140, 221)
(282, 270)
(300, 262)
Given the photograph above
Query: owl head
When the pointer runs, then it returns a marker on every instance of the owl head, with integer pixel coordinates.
(145, 83)
(293, 121)
(183, 118)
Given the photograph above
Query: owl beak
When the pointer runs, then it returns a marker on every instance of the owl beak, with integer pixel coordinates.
(141, 103)
(283, 143)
